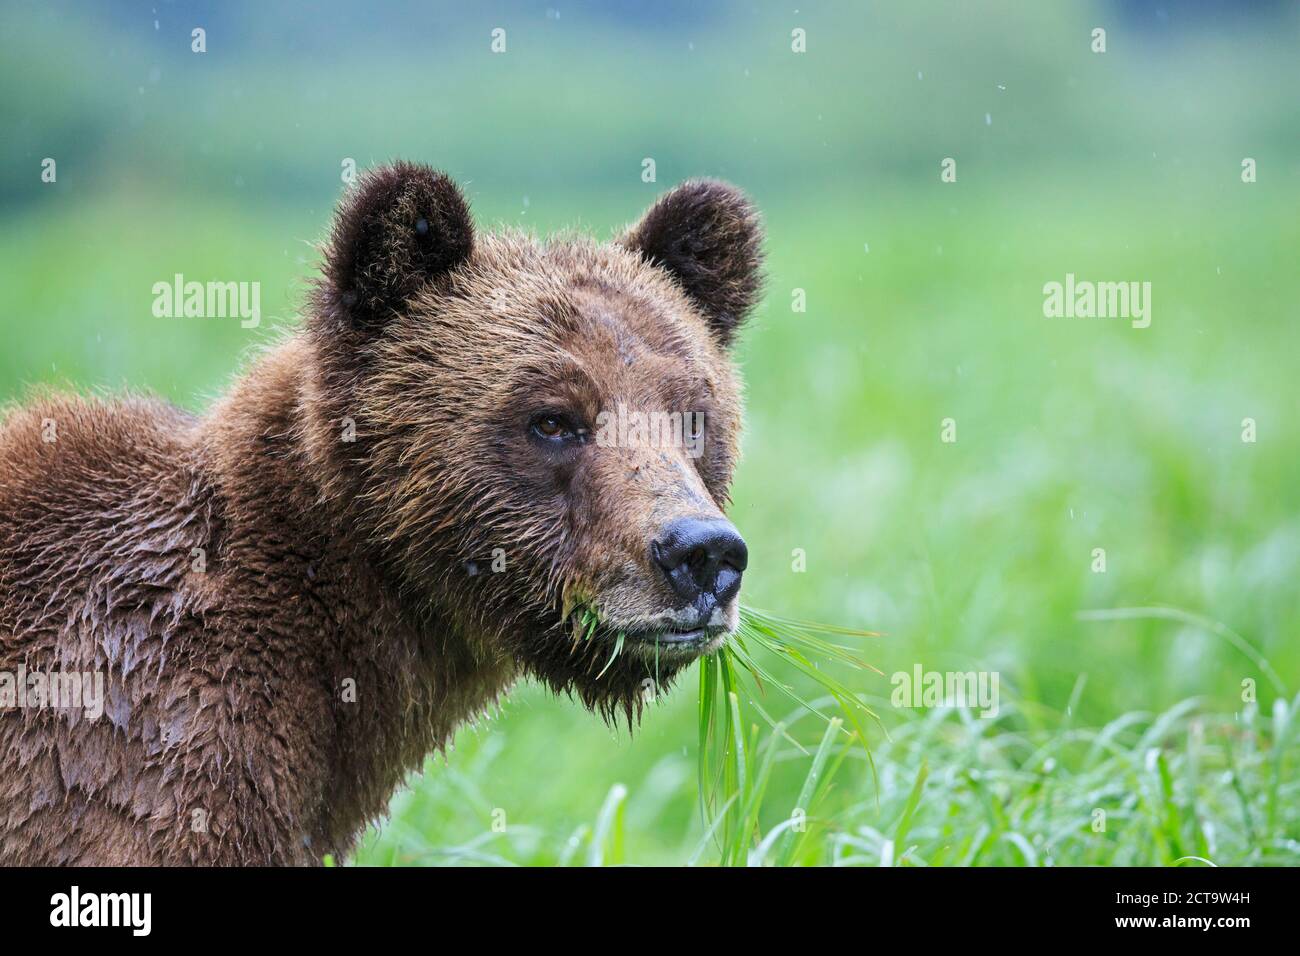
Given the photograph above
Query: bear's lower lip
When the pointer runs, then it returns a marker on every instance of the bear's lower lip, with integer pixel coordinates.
(680, 637)
(695, 637)
(665, 637)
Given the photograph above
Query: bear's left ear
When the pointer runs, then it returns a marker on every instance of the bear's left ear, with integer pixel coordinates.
(707, 235)
(399, 227)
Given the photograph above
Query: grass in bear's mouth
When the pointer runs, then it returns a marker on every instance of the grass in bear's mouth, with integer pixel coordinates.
(731, 787)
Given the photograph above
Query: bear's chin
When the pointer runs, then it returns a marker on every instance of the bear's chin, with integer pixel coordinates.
(609, 684)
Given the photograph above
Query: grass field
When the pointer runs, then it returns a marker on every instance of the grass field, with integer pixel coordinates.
(1148, 712)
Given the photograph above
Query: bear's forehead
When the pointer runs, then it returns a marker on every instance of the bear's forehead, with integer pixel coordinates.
(574, 319)
(576, 291)
(614, 347)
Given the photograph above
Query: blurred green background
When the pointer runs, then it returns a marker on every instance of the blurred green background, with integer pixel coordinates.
(924, 302)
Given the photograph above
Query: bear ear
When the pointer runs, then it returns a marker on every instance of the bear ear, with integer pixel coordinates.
(708, 236)
(398, 228)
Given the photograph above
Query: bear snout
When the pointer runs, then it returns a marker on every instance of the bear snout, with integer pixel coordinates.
(703, 560)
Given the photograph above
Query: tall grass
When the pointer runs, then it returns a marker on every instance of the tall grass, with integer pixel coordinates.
(733, 772)
(1182, 787)
(1186, 786)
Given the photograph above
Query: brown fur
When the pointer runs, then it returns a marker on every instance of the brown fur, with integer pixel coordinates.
(232, 575)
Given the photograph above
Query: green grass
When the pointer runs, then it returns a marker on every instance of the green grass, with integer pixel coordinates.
(1183, 787)
(732, 773)
(766, 653)
(1186, 786)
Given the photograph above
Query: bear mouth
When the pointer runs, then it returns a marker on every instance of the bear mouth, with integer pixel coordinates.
(693, 636)
(678, 637)
(676, 641)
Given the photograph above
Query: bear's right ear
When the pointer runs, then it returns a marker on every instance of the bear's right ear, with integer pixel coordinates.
(398, 228)
(706, 234)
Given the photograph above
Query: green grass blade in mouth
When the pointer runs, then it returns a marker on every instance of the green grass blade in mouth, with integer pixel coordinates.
(590, 621)
(736, 846)
(708, 692)
(618, 649)
(730, 790)
(750, 812)
(730, 793)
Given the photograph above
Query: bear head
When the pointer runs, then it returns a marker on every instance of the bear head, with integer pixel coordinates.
(545, 431)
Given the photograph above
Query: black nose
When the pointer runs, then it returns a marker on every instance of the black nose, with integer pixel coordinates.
(701, 557)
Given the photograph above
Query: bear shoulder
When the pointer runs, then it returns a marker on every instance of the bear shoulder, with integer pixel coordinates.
(87, 485)
(71, 443)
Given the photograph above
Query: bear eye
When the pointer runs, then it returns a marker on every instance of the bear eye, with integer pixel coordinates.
(553, 427)
(550, 425)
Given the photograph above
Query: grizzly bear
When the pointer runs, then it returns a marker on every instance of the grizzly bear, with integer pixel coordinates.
(396, 513)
